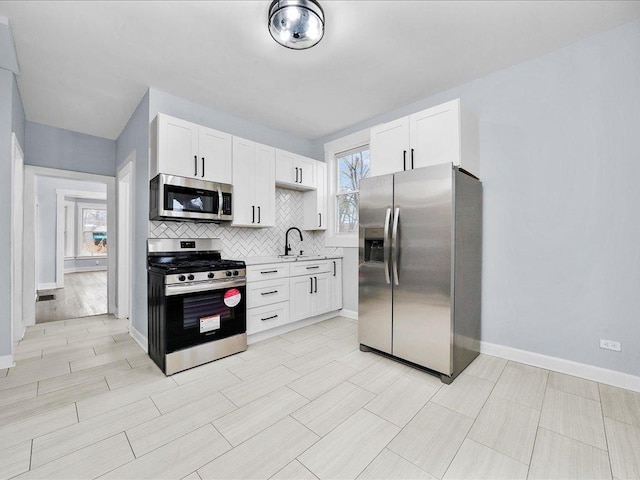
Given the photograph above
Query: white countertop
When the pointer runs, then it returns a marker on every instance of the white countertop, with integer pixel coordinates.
(264, 260)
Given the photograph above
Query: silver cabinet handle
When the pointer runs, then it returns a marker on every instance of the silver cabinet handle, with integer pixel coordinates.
(394, 246)
(269, 293)
(269, 318)
(269, 271)
(311, 268)
(387, 220)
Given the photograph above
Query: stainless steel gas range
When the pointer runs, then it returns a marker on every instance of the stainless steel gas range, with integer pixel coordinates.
(197, 307)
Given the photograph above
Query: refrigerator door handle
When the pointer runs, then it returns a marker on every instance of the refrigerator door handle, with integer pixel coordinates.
(387, 221)
(394, 245)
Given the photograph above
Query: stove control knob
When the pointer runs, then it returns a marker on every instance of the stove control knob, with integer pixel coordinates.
(182, 278)
(228, 273)
(211, 275)
(191, 277)
(235, 272)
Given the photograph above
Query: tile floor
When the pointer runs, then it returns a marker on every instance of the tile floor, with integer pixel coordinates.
(84, 401)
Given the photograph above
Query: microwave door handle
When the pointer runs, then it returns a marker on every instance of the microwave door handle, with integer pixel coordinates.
(219, 202)
(394, 246)
(387, 220)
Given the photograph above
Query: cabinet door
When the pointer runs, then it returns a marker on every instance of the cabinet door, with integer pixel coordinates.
(265, 185)
(214, 157)
(336, 284)
(315, 202)
(389, 147)
(321, 297)
(435, 135)
(244, 207)
(307, 170)
(285, 170)
(177, 147)
(300, 296)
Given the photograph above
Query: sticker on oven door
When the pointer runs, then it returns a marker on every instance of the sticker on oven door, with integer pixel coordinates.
(208, 324)
(232, 297)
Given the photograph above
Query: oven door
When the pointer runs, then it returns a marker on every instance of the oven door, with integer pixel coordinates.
(199, 317)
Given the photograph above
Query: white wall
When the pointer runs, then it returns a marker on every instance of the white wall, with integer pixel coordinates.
(560, 162)
(47, 199)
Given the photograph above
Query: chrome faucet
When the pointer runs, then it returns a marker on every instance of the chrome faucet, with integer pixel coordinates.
(287, 246)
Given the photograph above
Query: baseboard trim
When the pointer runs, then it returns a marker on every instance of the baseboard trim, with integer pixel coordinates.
(349, 314)
(582, 370)
(85, 269)
(140, 339)
(6, 361)
(47, 286)
(274, 332)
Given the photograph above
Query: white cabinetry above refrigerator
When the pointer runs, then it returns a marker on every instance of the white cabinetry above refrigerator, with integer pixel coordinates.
(441, 134)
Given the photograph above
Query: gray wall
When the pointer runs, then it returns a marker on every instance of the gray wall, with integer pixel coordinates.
(135, 136)
(161, 102)
(559, 149)
(66, 150)
(45, 188)
(11, 119)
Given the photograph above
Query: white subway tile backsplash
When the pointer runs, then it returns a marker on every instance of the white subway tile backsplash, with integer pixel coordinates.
(253, 242)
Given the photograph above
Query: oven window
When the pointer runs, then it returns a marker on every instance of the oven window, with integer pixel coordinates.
(195, 308)
(181, 199)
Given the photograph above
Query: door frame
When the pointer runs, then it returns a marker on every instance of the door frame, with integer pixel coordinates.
(60, 226)
(29, 286)
(17, 237)
(125, 181)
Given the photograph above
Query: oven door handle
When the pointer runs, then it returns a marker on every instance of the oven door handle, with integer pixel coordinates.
(182, 289)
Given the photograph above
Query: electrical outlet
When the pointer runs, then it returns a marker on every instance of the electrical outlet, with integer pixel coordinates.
(610, 345)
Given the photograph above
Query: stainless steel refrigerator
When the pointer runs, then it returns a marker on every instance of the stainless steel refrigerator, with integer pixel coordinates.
(420, 247)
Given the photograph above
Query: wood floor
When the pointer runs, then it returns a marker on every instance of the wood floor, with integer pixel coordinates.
(84, 401)
(84, 294)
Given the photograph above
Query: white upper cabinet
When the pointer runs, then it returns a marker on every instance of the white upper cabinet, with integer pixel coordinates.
(215, 155)
(295, 171)
(315, 201)
(189, 150)
(389, 146)
(254, 188)
(445, 133)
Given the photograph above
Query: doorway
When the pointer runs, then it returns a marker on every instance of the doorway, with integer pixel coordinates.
(125, 183)
(69, 219)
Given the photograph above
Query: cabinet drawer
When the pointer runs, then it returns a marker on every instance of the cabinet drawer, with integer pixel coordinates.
(267, 292)
(267, 272)
(309, 268)
(264, 318)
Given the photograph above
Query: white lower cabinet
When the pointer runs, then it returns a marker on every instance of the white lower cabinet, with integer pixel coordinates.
(336, 284)
(281, 293)
(269, 316)
(310, 295)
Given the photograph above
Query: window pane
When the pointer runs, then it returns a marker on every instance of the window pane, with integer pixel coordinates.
(351, 168)
(94, 232)
(347, 213)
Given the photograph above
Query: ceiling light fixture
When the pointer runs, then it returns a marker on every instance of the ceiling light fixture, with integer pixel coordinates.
(296, 24)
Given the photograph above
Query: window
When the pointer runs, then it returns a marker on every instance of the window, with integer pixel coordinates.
(351, 166)
(92, 230)
(347, 160)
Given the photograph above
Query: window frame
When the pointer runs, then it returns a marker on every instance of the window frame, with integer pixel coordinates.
(331, 150)
(79, 233)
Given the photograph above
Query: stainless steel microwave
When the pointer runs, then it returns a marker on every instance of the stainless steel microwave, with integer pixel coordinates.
(179, 198)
